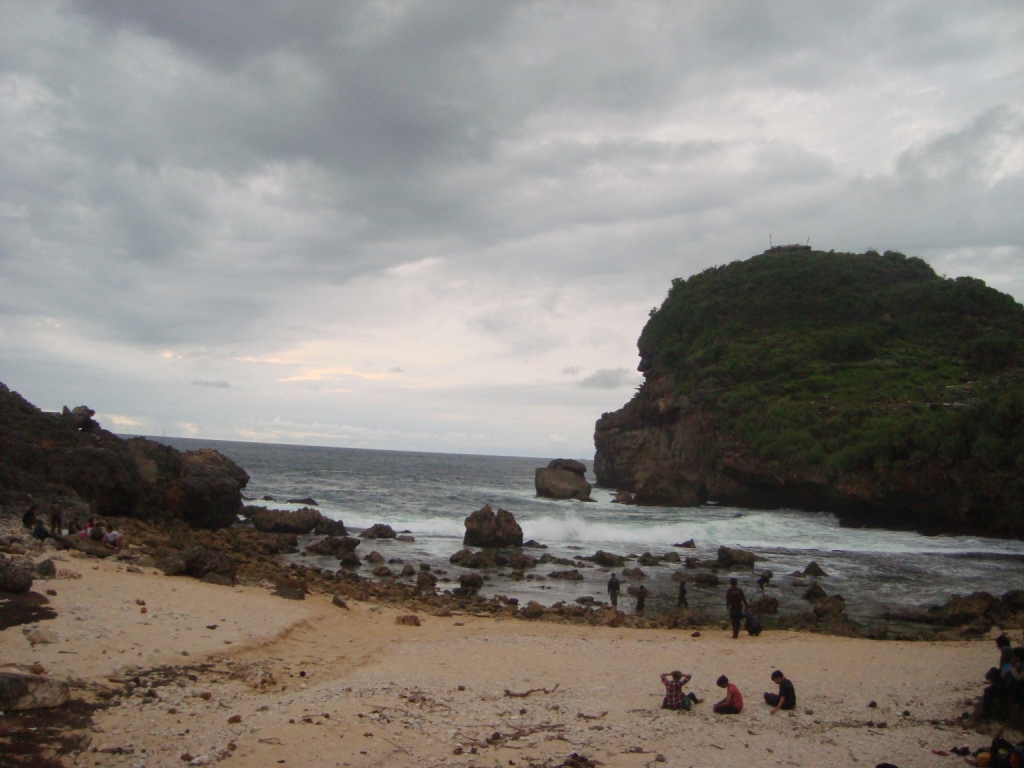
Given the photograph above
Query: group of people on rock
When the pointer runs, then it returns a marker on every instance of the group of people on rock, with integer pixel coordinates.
(732, 703)
(92, 529)
(736, 602)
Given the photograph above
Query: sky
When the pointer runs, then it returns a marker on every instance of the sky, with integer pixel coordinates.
(441, 226)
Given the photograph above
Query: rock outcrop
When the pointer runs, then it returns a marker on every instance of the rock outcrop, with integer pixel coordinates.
(300, 521)
(485, 528)
(67, 460)
(563, 479)
(722, 418)
(18, 691)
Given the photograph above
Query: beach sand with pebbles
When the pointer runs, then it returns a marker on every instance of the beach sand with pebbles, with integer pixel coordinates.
(185, 672)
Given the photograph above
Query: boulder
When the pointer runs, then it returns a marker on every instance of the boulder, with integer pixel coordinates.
(648, 559)
(484, 528)
(815, 570)
(197, 562)
(350, 560)
(309, 501)
(470, 582)
(765, 605)
(18, 691)
(382, 572)
(815, 593)
(408, 620)
(374, 557)
(963, 610)
(533, 610)
(425, 581)
(623, 497)
(333, 546)
(671, 557)
(328, 527)
(634, 573)
(569, 465)
(706, 580)
(607, 559)
(282, 521)
(47, 569)
(556, 482)
(15, 578)
(735, 558)
(572, 575)
(688, 544)
(378, 531)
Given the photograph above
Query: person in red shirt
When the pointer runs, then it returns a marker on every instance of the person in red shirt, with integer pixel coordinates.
(732, 704)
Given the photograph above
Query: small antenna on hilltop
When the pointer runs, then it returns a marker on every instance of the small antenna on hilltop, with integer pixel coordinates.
(808, 241)
(770, 244)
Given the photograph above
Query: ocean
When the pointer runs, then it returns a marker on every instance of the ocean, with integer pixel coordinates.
(430, 494)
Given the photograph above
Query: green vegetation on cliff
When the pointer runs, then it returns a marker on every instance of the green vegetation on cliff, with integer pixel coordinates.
(848, 362)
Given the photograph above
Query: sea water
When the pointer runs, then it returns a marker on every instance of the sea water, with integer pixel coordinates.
(430, 495)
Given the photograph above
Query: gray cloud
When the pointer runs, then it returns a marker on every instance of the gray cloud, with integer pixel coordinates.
(212, 384)
(610, 378)
(311, 193)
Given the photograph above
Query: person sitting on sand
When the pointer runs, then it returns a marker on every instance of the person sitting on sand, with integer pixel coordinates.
(29, 518)
(1005, 650)
(40, 532)
(732, 704)
(674, 696)
(735, 601)
(97, 532)
(73, 526)
(112, 540)
(641, 598)
(613, 590)
(786, 697)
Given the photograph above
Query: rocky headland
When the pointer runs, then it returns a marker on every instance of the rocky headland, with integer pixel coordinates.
(860, 384)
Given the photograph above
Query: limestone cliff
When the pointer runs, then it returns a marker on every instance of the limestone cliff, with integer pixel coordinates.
(859, 384)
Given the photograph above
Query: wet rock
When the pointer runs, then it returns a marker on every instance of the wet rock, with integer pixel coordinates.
(47, 569)
(350, 560)
(706, 580)
(375, 557)
(648, 559)
(334, 546)
(964, 610)
(735, 558)
(467, 558)
(671, 557)
(425, 581)
(15, 577)
(688, 544)
(197, 562)
(534, 544)
(607, 559)
(572, 575)
(623, 497)
(382, 571)
(562, 479)
(634, 573)
(409, 570)
(328, 527)
(301, 521)
(815, 570)
(815, 593)
(765, 605)
(406, 538)
(379, 531)
(485, 528)
(533, 610)
(19, 692)
(308, 501)
(470, 582)
(291, 589)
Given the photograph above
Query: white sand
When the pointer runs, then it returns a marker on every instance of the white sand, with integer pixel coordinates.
(380, 694)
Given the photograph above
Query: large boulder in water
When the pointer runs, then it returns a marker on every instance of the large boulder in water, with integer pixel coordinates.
(335, 546)
(484, 528)
(379, 531)
(733, 558)
(562, 479)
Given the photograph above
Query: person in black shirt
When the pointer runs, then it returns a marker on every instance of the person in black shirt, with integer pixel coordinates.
(682, 601)
(641, 597)
(613, 591)
(735, 601)
(786, 697)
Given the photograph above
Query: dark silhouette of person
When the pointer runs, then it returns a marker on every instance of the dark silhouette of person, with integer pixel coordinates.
(682, 602)
(735, 601)
(641, 597)
(613, 591)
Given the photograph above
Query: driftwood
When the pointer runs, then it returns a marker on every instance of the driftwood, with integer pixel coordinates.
(582, 716)
(524, 694)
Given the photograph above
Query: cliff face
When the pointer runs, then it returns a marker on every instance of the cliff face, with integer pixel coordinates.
(709, 427)
(67, 461)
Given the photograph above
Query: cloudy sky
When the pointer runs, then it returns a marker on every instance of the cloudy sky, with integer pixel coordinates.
(440, 226)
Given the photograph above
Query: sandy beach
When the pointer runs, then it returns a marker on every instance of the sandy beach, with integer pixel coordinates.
(187, 672)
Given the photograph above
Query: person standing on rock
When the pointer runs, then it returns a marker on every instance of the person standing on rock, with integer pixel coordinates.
(641, 597)
(736, 602)
(613, 591)
(682, 602)
(56, 521)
